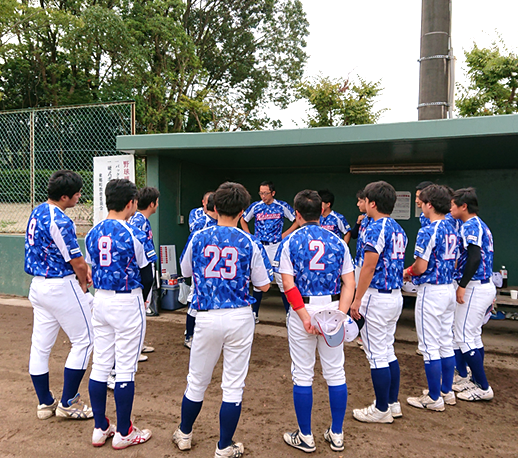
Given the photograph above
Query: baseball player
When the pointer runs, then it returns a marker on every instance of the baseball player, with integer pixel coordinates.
(269, 214)
(222, 260)
(358, 233)
(378, 299)
(435, 254)
(58, 296)
(312, 262)
(331, 220)
(422, 218)
(121, 256)
(196, 213)
(208, 219)
(475, 292)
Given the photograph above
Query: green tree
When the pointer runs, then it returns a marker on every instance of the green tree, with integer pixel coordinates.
(340, 102)
(492, 74)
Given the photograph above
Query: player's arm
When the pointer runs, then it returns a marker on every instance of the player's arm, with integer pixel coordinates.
(295, 299)
(416, 269)
(294, 226)
(471, 267)
(369, 266)
(146, 278)
(244, 225)
(347, 237)
(81, 270)
(347, 291)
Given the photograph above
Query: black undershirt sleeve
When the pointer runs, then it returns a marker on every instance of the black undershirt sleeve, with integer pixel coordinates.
(472, 263)
(146, 277)
(355, 230)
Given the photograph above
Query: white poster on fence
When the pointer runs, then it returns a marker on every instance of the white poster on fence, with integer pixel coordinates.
(105, 169)
(402, 206)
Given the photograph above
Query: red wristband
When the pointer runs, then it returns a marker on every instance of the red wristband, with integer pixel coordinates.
(411, 272)
(294, 298)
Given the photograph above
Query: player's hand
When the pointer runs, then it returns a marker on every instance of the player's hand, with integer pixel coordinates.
(406, 276)
(355, 310)
(310, 329)
(89, 281)
(360, 218)
(460, 294)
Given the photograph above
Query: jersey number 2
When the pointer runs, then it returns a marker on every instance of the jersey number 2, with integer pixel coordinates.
(317, 245)
(229, 271)
(105, 255)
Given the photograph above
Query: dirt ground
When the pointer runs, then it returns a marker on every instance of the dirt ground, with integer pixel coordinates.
(484, 429)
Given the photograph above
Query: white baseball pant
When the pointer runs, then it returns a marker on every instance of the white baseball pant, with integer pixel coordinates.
(59, 302)
(271, 251)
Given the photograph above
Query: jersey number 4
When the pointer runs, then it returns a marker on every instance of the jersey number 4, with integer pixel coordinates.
(398, 246)
(229, 271)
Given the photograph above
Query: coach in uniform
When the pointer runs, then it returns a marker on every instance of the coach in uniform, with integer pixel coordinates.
(121, 256)
(58, 296)
(269, 214)
(312, 262)
(222, 260)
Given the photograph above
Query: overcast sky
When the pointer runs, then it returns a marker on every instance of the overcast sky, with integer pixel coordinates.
(380, 40)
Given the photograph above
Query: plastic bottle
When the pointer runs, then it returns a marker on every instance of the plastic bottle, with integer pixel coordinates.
(503, 271)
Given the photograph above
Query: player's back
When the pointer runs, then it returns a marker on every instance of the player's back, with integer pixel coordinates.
(360, 241)
(475, 231)
(140, 221)
(335, 222)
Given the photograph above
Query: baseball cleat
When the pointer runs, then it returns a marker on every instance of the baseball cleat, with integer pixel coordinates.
(449, 398)
(372, 414)
(457, 378)
(426, 402)
(44, 411)
(76, 410)
(148, 349)
(476, 394)
(463, 383)
(99, 436)
(182, 440)
(135, 437)
(418, 352)
(234, 450)
(187, 343)
(256, 318)
(336, 441)
(142, 358)
(395, 410)
(300, 441)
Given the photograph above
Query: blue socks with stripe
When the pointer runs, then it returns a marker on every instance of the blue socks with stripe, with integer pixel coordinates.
(124, 393)
(98, 392)
(395, 376)
(303, 401)
(190, 322)
(229, 414)
(41, 386)
(338, 404)
(476, 364)
(72, 380)
(381, 383)
(460, 363)
(448, 368)
(433, 369)
(258, 296)
(190, 411)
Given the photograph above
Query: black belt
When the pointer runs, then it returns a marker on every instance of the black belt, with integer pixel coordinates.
(268, 243)
(483, 282)
(385, 291)
(123, 292)
(334, 297)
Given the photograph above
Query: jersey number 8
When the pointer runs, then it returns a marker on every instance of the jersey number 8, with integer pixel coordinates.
(105, 256)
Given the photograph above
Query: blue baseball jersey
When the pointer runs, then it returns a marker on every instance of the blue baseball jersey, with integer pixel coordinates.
(50, 243)
(202, 222)
(140, 221)
(336, 223)
(194, 215)
(117, 251)
(437, 244)
(475, 231)
(424, 220)
(316, 258)
(269, 219)
(456, 223)
(360, 241)
(222, 261)
(387, 238)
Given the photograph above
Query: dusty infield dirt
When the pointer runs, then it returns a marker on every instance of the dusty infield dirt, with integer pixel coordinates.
(483, 429)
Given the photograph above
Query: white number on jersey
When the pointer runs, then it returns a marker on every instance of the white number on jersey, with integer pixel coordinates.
(398, 246)
(451, 246)
(490, 239)
(229, 271)
(30, 231)
(317, 245)
(105, 255)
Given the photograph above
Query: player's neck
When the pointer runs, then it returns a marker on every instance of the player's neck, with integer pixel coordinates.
(61, 205)
(147, 212)
(228, 221)
(435, 217)
(123, 215)
(465, 216)
(376, 215)
(326, 212)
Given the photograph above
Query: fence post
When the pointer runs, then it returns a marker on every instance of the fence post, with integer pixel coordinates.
(33, 165)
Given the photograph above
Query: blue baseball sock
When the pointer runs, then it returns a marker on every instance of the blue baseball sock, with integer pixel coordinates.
(41, 386)
(98, 392)
(482, 353)
(71, 384)
(229, 414)
(258, 296)
(285, 302)
(338, 404)
(476, 364)
(433, 376)
(190, 411)
(190, 322)
(448, 368)
(460, 363)
(303, 401)
(124, 393)
(381, 384)
(395, 376)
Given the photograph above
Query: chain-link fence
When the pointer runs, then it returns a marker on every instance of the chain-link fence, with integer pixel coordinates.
(35, 143)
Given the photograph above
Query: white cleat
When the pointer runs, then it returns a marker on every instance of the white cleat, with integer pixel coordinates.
(234, 450)
(182, 440)
(100, 436)
(135, 437)
(77, 409)
(395, 410)
(372, 414)
(336, 441)
(476, 394)
(449, 398)
(463, 383)
(426, 402)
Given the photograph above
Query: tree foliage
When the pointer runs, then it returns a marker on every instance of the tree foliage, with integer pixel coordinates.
(493, 79)
(191, 65)
(340, 102)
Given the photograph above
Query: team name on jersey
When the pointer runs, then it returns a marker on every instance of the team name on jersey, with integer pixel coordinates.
(265, 216)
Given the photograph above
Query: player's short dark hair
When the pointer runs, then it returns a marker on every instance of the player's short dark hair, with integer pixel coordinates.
(207, 193)
(270, 185)
(360, 194)
(383, 194)
(466, 196)
(146, 196)
(119, 192)
(437, 195)
(210, 202)
(64, 183)
(327, 196)
(450, 190)
(231, 198)
(423, 185)
(309, 204)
